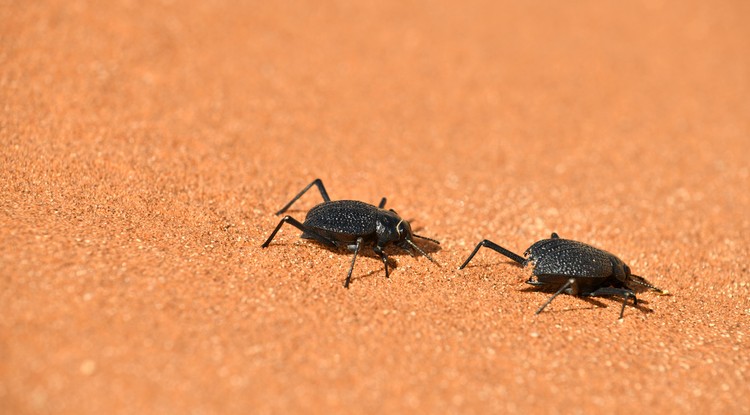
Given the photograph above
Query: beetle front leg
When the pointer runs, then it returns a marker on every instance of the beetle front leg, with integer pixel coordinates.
(622, 292)
(379, 250)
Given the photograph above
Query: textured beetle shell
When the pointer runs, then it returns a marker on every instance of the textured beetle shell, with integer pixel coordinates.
(570, 258)
(343, 220)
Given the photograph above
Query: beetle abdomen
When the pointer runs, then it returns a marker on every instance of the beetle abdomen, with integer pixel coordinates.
(569, 258)
(343, 217)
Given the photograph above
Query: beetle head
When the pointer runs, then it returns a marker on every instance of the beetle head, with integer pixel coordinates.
(632, 281)
(390, 228)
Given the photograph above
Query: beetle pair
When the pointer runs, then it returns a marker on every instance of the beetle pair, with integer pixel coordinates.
(563, 265)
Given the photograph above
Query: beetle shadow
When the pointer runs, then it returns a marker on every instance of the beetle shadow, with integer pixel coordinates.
(366, 250)
(596, 302)
(344, 252)
(372, 273)
(390, 250)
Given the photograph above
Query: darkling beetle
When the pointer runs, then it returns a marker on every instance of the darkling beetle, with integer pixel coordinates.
(352, 224)
(574, 268)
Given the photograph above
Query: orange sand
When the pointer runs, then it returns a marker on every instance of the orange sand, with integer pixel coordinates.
(146, 145)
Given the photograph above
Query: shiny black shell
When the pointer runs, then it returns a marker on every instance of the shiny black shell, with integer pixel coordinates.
(556, 260)
(343, 221)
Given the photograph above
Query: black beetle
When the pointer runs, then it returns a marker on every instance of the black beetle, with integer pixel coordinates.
(576, 268)
(352, 224)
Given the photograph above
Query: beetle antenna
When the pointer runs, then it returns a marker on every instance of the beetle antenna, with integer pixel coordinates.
(426, 238)
(425, 254)
(642, 282)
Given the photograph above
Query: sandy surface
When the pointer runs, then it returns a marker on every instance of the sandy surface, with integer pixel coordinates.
(145, 148)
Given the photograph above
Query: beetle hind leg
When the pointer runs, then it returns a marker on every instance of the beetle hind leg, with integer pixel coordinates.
(316, 182)
(307, 232)
(497, 248)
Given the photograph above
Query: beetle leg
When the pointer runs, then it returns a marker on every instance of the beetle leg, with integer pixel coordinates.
(622, 292)
(294, 222)
(379, 250)
(354, 258)
(571, 284)
(382, 203)
(316, 182)
(497, 248)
